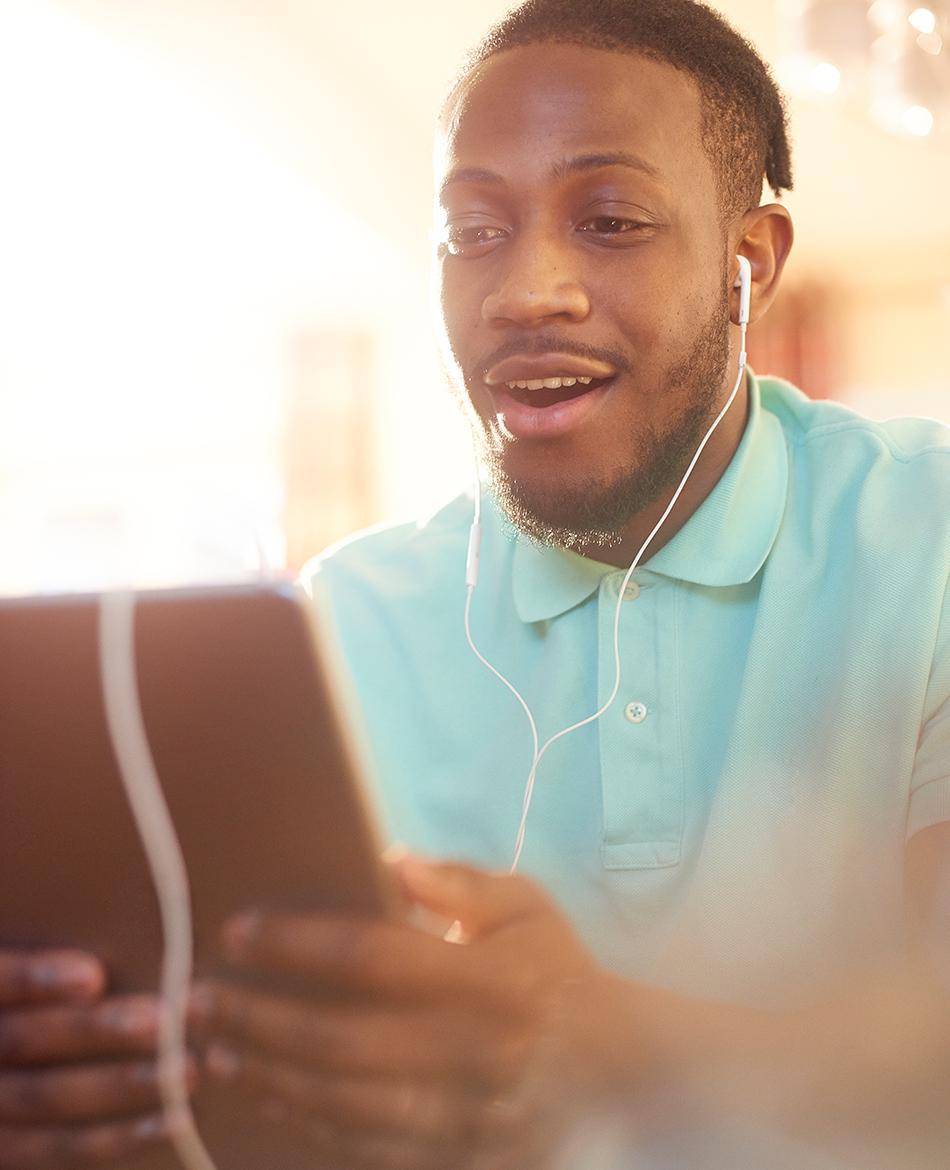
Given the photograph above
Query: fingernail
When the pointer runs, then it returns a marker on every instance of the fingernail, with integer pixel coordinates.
(68, 973)
(455, 933)
(136, 1018)
(395, 853)
(222, 1062)
(143, 1074)
(146, 1073)
(239, 933)
(149, 1129)
(418, 870)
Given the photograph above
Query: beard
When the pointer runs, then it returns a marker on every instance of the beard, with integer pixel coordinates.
(593, 513)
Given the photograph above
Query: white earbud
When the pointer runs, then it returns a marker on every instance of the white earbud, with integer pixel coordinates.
(744, 283)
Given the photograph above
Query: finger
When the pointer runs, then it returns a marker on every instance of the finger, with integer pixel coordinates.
(493, 1147)
(353, 955)
(352, 1125)
(62, 1149)
(119, 1026)
(32, 977)
(374, 1151)
(346, 1039)
(80, 1093)
(425, 1111)
(536, 1149)
(482, 901)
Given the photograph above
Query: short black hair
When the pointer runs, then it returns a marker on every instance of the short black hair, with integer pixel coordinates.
(744, 120)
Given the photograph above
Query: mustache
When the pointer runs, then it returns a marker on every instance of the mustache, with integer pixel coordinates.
(515, 346)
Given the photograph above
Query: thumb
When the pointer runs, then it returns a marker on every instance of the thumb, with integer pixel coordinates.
(482, 901)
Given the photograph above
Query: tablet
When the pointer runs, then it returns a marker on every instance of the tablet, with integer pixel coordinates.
(261, 767)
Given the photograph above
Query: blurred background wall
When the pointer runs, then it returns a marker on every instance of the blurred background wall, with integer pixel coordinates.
(216, 345)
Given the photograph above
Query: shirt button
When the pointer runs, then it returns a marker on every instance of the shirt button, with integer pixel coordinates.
(632, 592)
(635, 712)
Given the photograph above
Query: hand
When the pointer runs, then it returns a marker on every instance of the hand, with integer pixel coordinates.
(391, 1048)
(77, 1070)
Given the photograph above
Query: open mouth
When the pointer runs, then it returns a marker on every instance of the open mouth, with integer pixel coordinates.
(548, 396)
(552, 391)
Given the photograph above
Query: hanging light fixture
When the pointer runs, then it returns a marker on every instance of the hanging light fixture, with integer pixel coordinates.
(889, 57)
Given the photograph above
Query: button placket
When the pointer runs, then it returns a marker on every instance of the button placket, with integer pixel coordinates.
(641, 765)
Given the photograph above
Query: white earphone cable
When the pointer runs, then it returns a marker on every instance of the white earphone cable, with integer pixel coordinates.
(126, 727)
(471, 579)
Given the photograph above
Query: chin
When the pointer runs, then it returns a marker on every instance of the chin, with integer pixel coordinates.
(588, 514)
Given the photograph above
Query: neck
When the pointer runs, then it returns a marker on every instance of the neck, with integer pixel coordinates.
(706, 474)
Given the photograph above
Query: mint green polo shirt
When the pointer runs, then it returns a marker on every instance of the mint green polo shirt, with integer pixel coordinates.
(734, 826)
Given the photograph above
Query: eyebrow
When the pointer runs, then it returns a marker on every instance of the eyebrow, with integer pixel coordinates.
(595, 162)
(570, 166)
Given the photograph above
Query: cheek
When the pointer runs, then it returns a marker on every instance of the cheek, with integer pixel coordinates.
(654, 322)
(460, 302)
(636, 317)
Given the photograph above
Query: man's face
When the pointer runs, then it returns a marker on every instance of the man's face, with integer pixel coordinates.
(581, 241)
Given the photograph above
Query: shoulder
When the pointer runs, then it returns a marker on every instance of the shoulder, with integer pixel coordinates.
(847, 464)
(392, 600)
(396, 562)
(867, 503)
(826, 425)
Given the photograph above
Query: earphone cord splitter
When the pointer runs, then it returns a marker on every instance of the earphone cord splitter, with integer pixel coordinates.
(471, 579)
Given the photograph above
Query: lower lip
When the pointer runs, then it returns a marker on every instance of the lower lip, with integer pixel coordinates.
(545, 422)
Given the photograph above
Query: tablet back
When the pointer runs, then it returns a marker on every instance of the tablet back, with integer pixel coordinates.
(259, 770)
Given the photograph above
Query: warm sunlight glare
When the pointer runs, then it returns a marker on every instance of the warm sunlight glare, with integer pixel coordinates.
(153, 262)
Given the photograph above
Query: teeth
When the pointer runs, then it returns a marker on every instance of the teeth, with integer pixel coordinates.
(548, 383)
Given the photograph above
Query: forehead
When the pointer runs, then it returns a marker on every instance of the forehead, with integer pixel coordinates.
(538, 104)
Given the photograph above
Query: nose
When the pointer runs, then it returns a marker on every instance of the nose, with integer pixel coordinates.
(537, 286)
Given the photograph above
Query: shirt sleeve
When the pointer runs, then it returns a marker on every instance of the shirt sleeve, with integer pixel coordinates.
(930, 782)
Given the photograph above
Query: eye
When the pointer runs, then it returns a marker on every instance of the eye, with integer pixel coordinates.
(612, 225)
(472, 240)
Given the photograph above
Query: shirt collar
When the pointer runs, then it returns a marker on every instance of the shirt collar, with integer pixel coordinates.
(725, 542)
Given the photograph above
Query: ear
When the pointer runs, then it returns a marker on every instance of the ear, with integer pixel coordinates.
(765, 238)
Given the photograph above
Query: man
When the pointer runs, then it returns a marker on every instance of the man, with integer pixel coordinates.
(713, 948)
